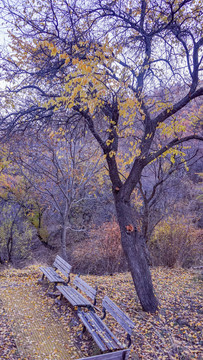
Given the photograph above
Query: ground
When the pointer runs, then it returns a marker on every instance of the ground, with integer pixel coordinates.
(34, 326)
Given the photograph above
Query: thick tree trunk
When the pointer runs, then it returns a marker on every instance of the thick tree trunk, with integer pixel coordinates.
(134, 249)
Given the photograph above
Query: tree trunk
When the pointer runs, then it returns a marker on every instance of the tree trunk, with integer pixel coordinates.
(134, 249)
(10, 247)
(63, 241)
(65, 222)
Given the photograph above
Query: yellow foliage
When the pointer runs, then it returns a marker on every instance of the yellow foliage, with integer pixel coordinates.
(174, 127)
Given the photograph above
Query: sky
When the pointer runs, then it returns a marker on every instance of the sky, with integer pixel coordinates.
(3, 42)
(3, 33)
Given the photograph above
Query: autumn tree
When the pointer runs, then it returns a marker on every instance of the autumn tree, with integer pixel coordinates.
(126, 70)
(15, 198)
(159, 183)
(60, 169)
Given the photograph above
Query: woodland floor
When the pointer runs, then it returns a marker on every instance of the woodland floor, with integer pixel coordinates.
(33, 326)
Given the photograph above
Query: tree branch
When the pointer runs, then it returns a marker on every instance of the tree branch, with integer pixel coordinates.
(178, 106)
(174, 142)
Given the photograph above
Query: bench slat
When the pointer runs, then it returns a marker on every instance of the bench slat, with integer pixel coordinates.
(99, 330)
(73, 296)
(116, 355)
(86, 288)
(102, 335)
(107, 334)
(59, 259)
(51, 274)
(99, 333)
(118, 314)
(62, 266)
(95, 336)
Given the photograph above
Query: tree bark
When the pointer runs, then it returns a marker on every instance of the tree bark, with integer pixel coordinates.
(135, 252)
(63, 241)
(65, 222)
(10, 247)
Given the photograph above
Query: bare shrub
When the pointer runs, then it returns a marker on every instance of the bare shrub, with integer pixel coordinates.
(102, 252)
(176, 242)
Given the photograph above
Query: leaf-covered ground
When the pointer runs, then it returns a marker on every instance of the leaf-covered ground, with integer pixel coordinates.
(34, 326)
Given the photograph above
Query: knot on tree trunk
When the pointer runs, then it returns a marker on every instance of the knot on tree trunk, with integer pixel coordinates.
(116, 189)
(129, 228)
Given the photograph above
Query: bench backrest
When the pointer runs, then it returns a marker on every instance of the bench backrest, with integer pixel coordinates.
(116, 355)
(62, 266)
(86, 288)
(118, 314)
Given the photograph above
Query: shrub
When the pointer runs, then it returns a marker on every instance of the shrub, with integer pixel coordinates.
(102, 252)
(176, 242)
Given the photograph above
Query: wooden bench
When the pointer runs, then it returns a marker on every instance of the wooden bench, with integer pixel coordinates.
(102, 335)
(75, 297)
(50, 272)
(116, 355)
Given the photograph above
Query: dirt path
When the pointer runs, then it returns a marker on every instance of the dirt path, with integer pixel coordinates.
(38, 330)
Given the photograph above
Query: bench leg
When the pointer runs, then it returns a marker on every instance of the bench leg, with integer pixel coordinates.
(55, 284)
(59, 301)
(82, 332)
(129, 340)
(125, 355)
(41, 279)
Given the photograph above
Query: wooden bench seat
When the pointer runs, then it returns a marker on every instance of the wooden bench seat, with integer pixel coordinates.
(51, 272)
(100, 332)
(116, 355)
(75, 297)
